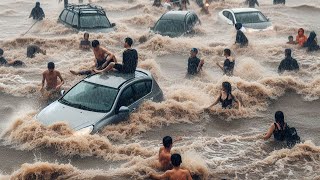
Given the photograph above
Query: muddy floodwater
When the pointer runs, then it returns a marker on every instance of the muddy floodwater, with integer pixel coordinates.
(216, 144)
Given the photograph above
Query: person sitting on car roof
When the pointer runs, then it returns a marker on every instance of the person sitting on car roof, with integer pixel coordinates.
(37, 12)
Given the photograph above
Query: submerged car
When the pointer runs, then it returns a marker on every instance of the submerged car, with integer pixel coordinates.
(248, 17)
(85, 17)
(101, 99)
(176, 23)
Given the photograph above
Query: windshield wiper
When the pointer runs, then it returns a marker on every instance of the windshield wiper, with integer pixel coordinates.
(75, 105)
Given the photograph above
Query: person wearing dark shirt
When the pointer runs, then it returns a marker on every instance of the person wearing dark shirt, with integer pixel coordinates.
(240, 37)
(85, 43)
(311, 42)
(288, 64)
(194, 63)
(157, 3)
(33, 49)
(5, 62)
(279, 1)
(37, 12)
(252, 3)
(228, 64)
(129, 61)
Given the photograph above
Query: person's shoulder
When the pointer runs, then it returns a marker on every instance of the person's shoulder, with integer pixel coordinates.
(45, 72)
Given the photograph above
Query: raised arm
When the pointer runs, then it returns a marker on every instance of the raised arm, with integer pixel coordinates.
(238, 102)
(43, 80)
(216, 101)
(270, 132)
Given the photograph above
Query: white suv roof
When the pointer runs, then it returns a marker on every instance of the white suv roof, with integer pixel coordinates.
(240, 10)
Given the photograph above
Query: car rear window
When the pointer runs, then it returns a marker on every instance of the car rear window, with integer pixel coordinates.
(75, 20)
(69, 17)
(64, 15)
(164, 26)
(250, 17)
(94, 21)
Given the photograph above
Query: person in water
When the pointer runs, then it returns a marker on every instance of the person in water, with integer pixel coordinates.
(85, 43)
(103, 57)
(177, 173)
(301, 38)
(226, 98)
(37, 12)
(129, 61)
(290, 40)
(241, 38)
(288, 64)
(183, 4)
(277, 128)
(228, 64)
(279, 1)
(5, 62)
(194, 63)
(34, 49)
(65, 2)
(165, 152)
(252, 3)
(312, 43)
(157, 3)
(50, 79)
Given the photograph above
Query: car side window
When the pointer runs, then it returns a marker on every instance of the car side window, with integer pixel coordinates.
(126, 97)
(141, 89)
(226, 14)
(231, 17)
(64, 15)
(69, 17)
(75, 20)
(189, 22)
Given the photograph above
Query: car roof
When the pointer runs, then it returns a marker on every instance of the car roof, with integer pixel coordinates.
(175, 15)
(85, 8)
(241, 10)
(116, 79)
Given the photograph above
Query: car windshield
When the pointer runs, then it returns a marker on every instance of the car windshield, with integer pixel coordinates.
(165, 26)
(91, 97)
(250, 17)
(94, 21)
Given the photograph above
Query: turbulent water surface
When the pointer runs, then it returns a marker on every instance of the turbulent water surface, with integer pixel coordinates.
(215, 145)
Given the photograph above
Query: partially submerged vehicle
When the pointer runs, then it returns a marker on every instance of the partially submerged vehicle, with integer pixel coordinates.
(176, 23)
(84, 17)
(101, 99)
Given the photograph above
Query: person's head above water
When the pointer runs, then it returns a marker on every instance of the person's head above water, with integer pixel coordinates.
(287, 52)
(128, 42)
(193, 52)
(290, 38)
(226, 86)
(238, 26)
(176, 160)
(167, 142)
(279, 118)
(51, 66)
(86, 36)
(1, 52)
(227, 52)
(37, 4)
(95, 44)
(301, 32)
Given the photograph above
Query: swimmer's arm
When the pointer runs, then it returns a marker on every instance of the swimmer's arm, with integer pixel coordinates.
(219, 65)
(43, 80)
(61, 79)
(269, 133)
(238, 102)
(215, 102)
(162, 176)
(189, 176)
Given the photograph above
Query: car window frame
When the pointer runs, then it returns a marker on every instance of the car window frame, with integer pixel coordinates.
(65, 10)
(117, 107)
(71, 18)
(145, 81)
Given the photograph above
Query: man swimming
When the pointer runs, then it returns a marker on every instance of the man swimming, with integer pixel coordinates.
(177, 173)
(228, 64)
(50, 79)
(5, 62)
(34, 49)
(103, 57)
(288, 64)
(194, 63)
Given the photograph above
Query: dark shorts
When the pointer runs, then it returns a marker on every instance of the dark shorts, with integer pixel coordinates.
(121, 68)
(99, 66)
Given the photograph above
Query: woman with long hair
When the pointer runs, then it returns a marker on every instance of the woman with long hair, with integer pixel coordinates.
(226, 98)
(277, 128)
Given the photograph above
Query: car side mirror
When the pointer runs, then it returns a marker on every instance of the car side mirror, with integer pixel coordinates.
(124, 110)
(62, 92)
(113, 24)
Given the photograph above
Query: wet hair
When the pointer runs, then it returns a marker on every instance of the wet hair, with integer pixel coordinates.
(301, 29)
(167, 141)
(194, 50)
(129, 41)
(85, 34)
(279, 118)
(37, 3)
(227, 51)
(290, 37)
(50, 65)
(1, 52)
(176, 160)
(95, 43)
(227, 87)
(238, 26)
(287, 52)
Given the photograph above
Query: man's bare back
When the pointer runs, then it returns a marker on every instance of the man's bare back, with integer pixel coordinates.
(178, 174)
(101, 53)
(164, 158)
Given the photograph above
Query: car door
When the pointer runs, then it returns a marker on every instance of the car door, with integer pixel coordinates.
(141, 90)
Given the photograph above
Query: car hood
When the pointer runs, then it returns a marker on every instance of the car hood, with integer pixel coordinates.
(75, 118)
(263, 25)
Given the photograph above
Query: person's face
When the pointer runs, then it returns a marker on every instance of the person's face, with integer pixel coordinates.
(300, 32)
(51, 70)
(86, 37)
(290, 39)
(193, 54)
(125, 45)
(96, 48)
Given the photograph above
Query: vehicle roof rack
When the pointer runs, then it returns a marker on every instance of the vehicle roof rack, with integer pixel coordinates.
(82, 8)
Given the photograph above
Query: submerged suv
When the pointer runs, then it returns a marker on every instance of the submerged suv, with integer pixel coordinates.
(85, 17)
(101, 99)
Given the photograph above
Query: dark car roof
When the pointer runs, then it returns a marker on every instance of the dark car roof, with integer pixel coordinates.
(117, 79)
(176, 15)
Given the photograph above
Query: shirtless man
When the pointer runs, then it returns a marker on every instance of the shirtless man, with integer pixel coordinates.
(50, 77)
(103, 58)
(176, 173)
